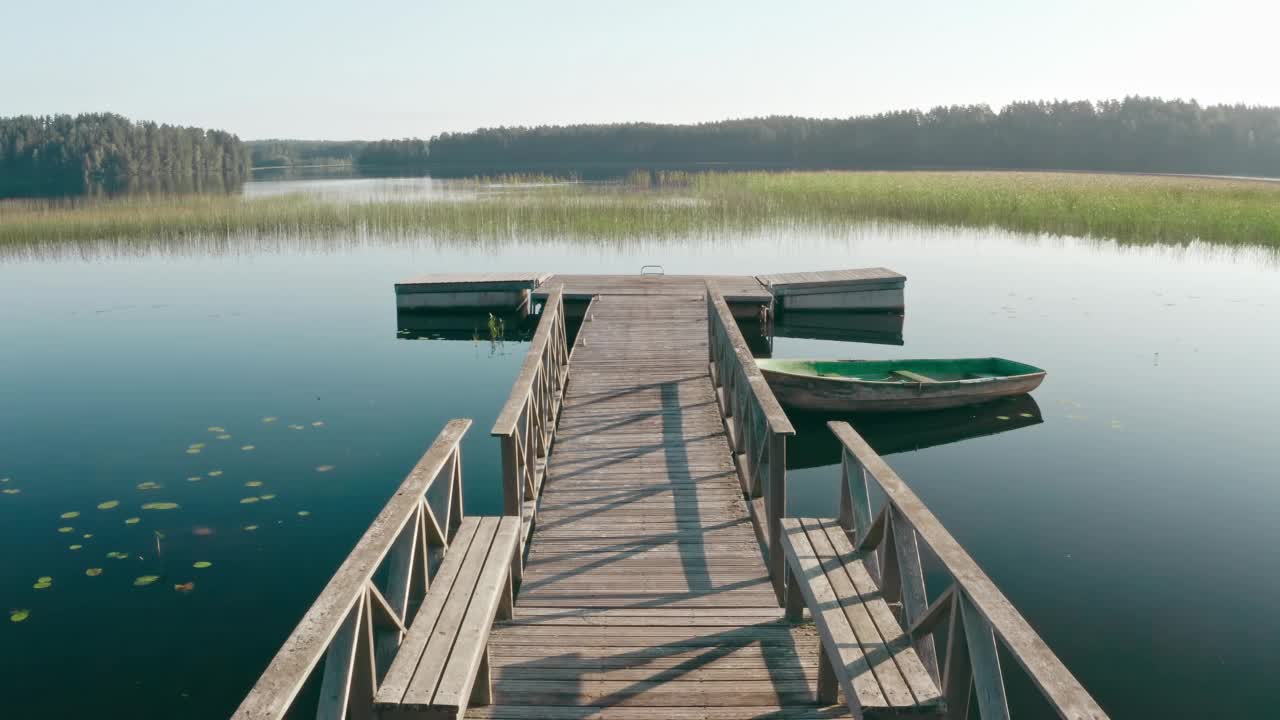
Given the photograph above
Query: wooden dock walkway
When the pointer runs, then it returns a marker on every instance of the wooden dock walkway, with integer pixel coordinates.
(645, 587)
(645, 566)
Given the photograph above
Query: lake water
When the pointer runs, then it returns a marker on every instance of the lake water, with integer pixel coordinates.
(1130, 526)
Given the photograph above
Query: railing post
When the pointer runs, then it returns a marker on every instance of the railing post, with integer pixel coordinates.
(512, 502)
(777, 509)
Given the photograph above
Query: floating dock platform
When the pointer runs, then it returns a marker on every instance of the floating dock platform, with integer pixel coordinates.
(865, 289)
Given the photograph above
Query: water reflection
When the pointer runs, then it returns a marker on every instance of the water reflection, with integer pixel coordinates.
(865, 327)
(814, 445)
(472, 325)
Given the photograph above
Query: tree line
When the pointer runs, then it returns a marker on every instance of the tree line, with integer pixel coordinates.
(1136, 134)
(279, 153)
(64, 154)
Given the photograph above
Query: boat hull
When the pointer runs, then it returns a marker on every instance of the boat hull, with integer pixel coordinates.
(825, 394)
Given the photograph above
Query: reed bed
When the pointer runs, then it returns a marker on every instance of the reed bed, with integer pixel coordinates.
(1131, 209)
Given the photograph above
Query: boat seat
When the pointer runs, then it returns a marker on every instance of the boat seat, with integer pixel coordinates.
(443, 664)
(865, 653)
(914, 377)
(980, 376)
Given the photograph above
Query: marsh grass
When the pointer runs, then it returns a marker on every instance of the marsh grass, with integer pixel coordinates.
(1131, 209)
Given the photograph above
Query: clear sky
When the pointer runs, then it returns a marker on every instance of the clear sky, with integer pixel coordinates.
(392, 68)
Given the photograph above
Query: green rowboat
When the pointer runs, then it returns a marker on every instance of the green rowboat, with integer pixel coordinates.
(896, 385)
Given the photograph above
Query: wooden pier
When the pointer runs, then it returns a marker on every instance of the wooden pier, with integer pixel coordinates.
(646, 566)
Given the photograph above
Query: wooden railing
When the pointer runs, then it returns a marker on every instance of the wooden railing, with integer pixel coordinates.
(361, 616)
(527, 422)
(757, 428)
(976, 614)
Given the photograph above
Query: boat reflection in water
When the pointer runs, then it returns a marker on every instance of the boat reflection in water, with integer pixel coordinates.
(815, 446)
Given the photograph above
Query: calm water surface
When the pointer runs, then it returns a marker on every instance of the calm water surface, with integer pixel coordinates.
(1131, 526)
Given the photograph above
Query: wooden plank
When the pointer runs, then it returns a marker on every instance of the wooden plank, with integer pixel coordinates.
(895, 642)
(857, 612)
(1064, 693)
(398, 677)
(913, 376)
(454, 687)
(839, 642)
(443, 633)
(645, 587)
(276, 689)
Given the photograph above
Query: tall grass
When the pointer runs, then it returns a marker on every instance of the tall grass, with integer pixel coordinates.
(1126, 208)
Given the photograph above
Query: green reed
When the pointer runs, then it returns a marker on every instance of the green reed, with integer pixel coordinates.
(1126, 208)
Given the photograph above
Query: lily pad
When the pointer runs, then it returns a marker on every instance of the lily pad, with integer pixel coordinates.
(324, 468)
(214, 473)
(318, 423)
(304, 513)
(193, 451)
(19, 615)
(132, 521)
(185, 587)
(201, 564)
(268, 496)
(10, 491)
(66, 529)
(69, 515)
(224, 436)
(161, 506)
(253, 483)
(216, 429)
(296, 427)
(42, 585)
(247, 500)
(269, 419)
(195, 478)
(145, 580)
(1025, 415)
(148, 485)
(108, 504)
(74, 547)
(250, 528)
(93, 572)
(44, 579)
(86, 536)
(197, 446)
(117, 555)
(1002, 417)
(247, 448)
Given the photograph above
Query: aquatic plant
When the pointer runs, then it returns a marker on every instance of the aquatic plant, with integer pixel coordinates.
(679, 205)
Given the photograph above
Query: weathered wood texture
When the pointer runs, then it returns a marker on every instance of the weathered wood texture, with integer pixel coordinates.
(357, 623)
(527, 422)
(869, 289)
(452, 282)
(824, 280)
(736, 288)
(645, 594)
(443, 663)
(870, 656)
(975, 613)
(756, 425)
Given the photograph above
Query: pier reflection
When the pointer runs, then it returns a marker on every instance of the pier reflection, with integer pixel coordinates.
(471, 325)
(815, 446)
(881, 328)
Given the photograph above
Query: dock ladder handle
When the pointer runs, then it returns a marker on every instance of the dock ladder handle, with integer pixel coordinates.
(660, 270)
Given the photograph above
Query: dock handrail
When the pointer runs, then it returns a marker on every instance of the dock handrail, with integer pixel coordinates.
(976, 613)
(527, 422)
(757, 426)
(355, 626)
